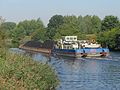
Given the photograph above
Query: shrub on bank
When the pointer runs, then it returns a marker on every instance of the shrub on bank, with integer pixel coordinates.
(18, 72)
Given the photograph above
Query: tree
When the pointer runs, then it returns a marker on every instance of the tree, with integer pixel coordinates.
(39, 35)
(96, 24)
(17, 35)
(2, 34)
(109, 38)
(87, 25)
(26, 28)
(8, 25)
(117, 41)
(30, 26)
(70, 27)
(110, 22)
(80, 23)
(2, 39)
(7, 28)
(54, 23)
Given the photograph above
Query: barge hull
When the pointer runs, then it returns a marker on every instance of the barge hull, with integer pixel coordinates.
(40, 50)
(82, 52)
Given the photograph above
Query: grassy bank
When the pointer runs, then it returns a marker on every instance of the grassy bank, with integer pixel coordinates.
(18, 72)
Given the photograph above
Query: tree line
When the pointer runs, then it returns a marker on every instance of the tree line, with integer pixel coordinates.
(106, 31)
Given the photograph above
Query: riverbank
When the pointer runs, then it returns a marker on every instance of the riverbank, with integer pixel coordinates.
(22, 73)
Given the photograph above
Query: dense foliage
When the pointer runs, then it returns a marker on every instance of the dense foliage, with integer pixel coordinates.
(106, 31)
(110, 22)
(110, 38)
(27, 30)
(18, 72)
(54, 23)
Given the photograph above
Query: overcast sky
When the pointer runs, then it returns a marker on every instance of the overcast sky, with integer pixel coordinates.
(19, 10)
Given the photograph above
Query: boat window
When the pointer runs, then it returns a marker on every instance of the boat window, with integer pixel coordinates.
(68, 47)
(71, 38)
(74, 38)
(67, 38)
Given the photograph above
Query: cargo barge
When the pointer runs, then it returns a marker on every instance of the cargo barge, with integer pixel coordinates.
(37, 46)
(71, 47)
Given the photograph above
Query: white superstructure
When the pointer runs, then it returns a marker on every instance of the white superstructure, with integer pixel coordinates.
(71, 42)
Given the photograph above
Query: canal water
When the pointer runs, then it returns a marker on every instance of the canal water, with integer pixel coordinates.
(84, 73)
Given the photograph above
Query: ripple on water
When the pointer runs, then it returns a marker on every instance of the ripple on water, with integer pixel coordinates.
(89, 74)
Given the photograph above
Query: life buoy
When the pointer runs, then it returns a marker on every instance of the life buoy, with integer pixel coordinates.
(93, 40)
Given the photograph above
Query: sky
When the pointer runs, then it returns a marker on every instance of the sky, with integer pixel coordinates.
(19, 10)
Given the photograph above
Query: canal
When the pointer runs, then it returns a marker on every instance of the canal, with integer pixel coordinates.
(84, 73)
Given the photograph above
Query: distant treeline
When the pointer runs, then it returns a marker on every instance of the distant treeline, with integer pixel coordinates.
(106, 31)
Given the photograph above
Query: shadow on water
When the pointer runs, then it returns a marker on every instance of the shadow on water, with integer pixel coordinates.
(85, 73)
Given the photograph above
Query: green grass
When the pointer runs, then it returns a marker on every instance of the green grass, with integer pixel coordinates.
(18, 72)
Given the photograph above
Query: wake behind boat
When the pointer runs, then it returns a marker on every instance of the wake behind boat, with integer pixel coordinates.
(71, 47)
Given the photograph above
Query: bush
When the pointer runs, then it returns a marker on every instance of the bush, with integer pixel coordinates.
(22, 73)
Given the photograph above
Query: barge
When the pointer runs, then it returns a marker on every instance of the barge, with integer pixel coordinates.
(71, 47)
(37, 46)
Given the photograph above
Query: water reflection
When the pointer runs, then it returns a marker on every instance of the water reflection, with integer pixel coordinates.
(85, 73)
